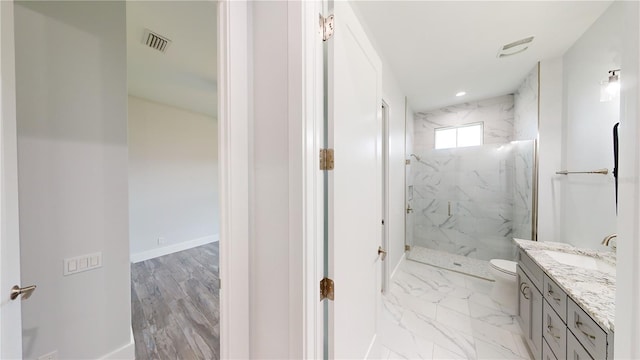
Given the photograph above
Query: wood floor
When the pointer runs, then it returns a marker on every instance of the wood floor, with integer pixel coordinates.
(175, 305)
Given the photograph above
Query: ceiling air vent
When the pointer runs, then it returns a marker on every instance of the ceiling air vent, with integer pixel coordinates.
(515, 47)
(155, 41)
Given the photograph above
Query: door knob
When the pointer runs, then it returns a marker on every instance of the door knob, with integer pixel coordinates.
(409, 209)
(382, 253)
(25, 292)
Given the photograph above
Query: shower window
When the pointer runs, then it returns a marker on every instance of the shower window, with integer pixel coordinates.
(459, 136)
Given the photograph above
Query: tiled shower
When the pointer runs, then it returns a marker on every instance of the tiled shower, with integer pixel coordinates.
(472, 201)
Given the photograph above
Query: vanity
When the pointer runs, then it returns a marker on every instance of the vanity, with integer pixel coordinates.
(566, 300)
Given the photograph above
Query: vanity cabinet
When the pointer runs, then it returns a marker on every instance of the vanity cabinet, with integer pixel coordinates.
(529, 312)
(554, 331)
(552, 322)
(547, 354)
(575, 351)
(586, 331)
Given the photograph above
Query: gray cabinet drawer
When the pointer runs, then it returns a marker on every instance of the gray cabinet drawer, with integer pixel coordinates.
(532, 270)
(588, 333)
(556, 297)
(554, 331)
(575, 351)
(547, 354)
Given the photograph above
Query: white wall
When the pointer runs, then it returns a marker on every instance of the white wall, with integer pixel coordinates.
(627, 345)
(550, 150)
(395, 222)
(588, 201)
(72, 159)
(173, 178)
(271, 332)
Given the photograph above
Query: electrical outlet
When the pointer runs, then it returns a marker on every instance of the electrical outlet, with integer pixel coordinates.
(50, 356)
(161, 241)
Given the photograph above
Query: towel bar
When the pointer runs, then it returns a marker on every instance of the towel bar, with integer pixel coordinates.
(599, 171)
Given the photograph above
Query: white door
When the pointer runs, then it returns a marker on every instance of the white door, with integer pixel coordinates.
(354, 132)
(10, 312)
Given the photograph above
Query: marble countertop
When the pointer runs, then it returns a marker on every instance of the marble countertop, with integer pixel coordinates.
(593, 290)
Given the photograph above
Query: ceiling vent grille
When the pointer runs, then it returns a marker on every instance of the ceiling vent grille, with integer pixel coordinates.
(515, 47)
(156, 41)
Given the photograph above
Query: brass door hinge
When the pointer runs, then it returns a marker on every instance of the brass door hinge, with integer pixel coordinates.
(327, 26)
(326, 289)
(326, 159)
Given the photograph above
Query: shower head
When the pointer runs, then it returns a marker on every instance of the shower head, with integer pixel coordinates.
(415, 156)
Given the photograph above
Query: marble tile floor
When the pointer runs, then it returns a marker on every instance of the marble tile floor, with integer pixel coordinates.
(175, 305)
(454, 262)
(432, 313)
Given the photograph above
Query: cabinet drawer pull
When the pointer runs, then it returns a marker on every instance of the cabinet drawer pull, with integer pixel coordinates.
(550, 292)
(579, 327)
(549, 330)
(523, 289)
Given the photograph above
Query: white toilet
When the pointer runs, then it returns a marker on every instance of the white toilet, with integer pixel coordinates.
(504, 288)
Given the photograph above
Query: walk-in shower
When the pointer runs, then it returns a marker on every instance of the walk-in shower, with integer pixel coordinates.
(466, 204)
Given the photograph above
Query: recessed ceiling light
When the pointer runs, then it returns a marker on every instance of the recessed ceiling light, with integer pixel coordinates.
(461, 93)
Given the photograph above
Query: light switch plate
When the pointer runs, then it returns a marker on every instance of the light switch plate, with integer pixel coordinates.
(82, 263)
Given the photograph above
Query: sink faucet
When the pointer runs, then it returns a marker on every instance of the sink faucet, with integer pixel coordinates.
(608, 238)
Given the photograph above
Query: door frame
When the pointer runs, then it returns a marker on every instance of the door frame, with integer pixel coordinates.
(306, 94)
(386, 276)
(235, 167)
(306, 227)
(10, 311)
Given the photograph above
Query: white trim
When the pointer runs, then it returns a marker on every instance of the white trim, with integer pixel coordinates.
(173, 248)
(395, 270)
(627, 314)
(233, 149)
(305, 192)
(386, 243)
(10, 311)
(311, 133)
(125, 352)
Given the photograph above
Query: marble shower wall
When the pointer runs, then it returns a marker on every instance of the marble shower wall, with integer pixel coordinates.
(525, 128)
(497, 115)
(523, 152)
(464, 199)
(525, 124)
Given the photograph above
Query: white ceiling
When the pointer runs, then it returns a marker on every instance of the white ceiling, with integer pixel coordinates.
(185, 76)
(438, 48)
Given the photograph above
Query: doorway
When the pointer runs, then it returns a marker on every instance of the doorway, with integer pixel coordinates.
(173, 178)
(73, 174)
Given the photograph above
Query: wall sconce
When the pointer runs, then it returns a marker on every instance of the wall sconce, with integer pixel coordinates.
(610, 88)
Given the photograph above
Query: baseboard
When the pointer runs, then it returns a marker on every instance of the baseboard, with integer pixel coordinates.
(173, 248)
(126, 352)
(395, 270)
